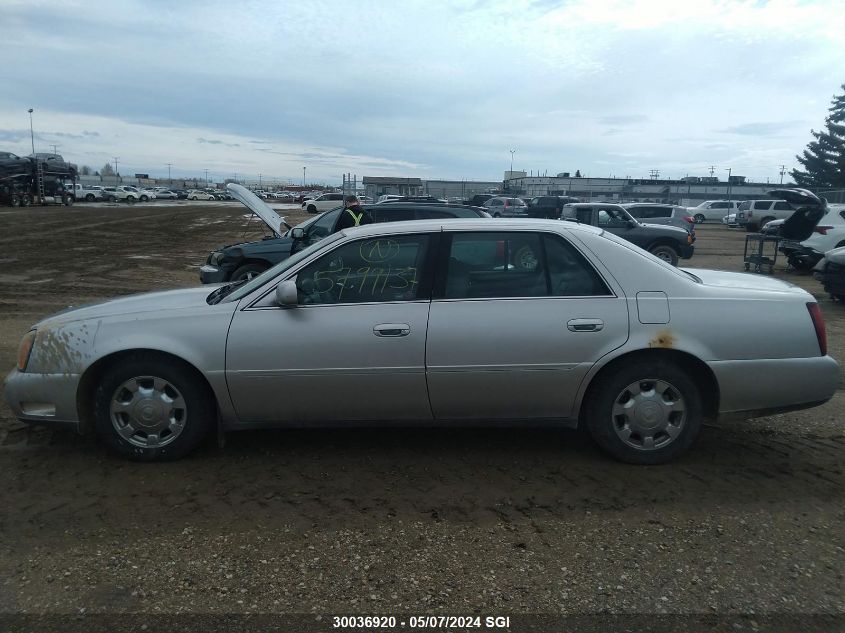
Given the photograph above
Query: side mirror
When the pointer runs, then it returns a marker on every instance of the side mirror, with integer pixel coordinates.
(631, 224)
(297, 233)
(287, 294)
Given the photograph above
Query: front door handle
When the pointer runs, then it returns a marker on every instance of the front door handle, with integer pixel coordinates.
(585, 325)
(392, 329)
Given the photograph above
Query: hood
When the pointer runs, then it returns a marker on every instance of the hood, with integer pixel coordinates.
(665, 227)
(133, 304)
(258, 207)
(724, 279)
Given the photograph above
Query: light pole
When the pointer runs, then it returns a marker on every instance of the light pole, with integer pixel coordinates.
(206, 178)
(31, 133)
(259, 181)
(169, 180)
(303, 177)
(115, 169)
(729, 183)
(513, 151)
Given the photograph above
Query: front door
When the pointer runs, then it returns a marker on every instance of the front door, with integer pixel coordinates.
(354, 347)
(516, 323)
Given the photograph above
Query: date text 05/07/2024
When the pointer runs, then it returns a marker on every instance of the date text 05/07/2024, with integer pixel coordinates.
(421, 622)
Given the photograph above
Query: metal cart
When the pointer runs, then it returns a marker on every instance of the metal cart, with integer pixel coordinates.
(755, 252)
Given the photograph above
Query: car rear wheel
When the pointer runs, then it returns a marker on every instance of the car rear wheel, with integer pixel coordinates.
(89, 197)
(645, 412)
(193, 198)
(152, 409)
(144, 198)
(497, 215)
(248, 271)
(112, 199)
(666, 253)
(311, 208)
(699, 218)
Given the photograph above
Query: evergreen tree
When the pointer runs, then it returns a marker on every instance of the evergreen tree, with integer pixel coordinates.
(107, 170)
(824, 158)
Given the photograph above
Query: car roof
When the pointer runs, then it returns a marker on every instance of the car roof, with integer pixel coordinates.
(479, 224)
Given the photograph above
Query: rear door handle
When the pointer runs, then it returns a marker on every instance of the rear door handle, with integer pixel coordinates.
(392, 329)
(585, 325)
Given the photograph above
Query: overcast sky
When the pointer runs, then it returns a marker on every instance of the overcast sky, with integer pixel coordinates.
(423, 88)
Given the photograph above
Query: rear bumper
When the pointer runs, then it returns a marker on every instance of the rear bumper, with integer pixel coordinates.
(686, 251)
(765, 386)
(43, 398)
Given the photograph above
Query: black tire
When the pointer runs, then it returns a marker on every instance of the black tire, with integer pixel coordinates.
(699, 218)
(193, 198)
(666, 253)
(130, 198)
(612, 385)
(144, 198)
(200, 410)
(89, 197)
(14, 200)
(25, 200)
(112, 198)
(311, 209)
(497, 215)
(247, 271)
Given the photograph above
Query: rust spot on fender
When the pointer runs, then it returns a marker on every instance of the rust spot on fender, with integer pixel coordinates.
(664, 339)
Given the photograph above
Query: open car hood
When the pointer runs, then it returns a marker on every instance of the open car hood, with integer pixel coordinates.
(260, 208)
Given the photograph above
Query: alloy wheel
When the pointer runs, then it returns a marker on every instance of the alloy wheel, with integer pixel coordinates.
(649, 414)
(148, 412)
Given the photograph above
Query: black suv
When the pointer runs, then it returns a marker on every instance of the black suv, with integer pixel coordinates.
(548, 207)
(243, 261)
(669, 243)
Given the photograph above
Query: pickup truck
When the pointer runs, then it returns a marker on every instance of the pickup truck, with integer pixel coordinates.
(669, 243)
(89, 193)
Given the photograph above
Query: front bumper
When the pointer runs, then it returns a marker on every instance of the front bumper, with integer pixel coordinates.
(213, 274)
(765, 386)
(43, 398)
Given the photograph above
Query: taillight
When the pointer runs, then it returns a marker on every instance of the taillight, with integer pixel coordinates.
(689, 219)
(750, 213)
(507, 203)
(818, 324)
(822, 229)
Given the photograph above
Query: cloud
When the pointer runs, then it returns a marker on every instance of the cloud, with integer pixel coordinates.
(761, 129)
(217, 142)
(623, 119)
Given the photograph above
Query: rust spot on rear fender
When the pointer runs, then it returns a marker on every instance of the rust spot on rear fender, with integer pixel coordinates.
(664, 338)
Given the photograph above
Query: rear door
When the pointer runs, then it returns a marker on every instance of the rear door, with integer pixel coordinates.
(517, 320)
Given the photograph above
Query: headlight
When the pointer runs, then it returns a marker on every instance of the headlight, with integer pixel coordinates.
(216, 258)
(25, 350)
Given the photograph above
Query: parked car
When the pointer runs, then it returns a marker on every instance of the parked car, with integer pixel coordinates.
(730, 220)
(119, 194)
(370, 326)
(166, 194)
(830, 271)
(669, 243)
(653, 213)
(237, 262)
(548, 207)
(712, 210)
(753, 214)
(506, 207)
(54, 164)
(827, 235)
(196, 194)
(479, 199)
(323, 202)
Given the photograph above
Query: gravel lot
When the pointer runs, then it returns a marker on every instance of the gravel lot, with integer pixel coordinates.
(499, 521)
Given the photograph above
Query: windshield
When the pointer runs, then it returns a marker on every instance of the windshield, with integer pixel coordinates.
(270, 273)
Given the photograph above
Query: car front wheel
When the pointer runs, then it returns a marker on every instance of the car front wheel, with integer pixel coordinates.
(152, 409)
(89, 197)
(645, 412)
(666, 253)
(699, 219)
(144, 198)
(312, 208)
(247, 271)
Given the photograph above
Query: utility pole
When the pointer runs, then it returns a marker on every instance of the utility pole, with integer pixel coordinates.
(513, 151)
(712, 169)
(654, 173)
(55, 153)
(259, 181)
(303, 176)
(31, 133)
(206, 178)
(169, 181)
(782, 172)
(115, 168)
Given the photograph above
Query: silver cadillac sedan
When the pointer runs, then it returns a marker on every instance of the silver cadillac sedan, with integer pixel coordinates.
(438, 322)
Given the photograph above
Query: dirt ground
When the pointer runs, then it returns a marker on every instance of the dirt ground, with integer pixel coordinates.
(499, 521)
